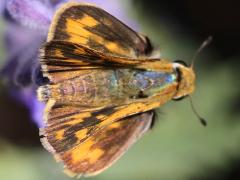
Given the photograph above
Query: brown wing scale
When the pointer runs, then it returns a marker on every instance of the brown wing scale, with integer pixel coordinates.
(94, 28)
(103, 148)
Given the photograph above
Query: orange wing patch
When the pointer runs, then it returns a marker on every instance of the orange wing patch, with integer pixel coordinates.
(94, 28)
(103, 148)
(78, 33)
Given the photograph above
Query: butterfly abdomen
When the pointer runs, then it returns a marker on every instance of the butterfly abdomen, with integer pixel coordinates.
(93, 88)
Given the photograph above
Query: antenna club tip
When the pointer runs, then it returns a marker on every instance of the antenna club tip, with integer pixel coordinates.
(203, 122)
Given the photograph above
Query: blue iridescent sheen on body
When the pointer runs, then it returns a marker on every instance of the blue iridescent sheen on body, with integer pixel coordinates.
(113, 81)
(150, 80)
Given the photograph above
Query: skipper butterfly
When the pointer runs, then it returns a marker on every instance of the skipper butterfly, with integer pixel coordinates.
(104, 84)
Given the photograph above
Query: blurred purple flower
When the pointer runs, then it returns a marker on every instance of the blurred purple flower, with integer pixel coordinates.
(27, 23)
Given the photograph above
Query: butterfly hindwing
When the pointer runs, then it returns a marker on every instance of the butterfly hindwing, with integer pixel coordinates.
(59, 57)
(70, 125)
(107, 145)
(84, 149)
(64, 55)
(63, 60)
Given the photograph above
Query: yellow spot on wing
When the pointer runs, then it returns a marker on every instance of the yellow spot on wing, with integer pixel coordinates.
(58, 53)
(95, 155)
(130, 110)
(114, 125)
(100, 116)
(80, 152)
(86, 152)
(76, 32)
(59, 134)
(81, 134)
(114, 47)
(88, 21)
(78, 118)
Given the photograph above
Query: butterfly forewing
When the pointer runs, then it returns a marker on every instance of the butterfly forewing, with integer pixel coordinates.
(93, 27)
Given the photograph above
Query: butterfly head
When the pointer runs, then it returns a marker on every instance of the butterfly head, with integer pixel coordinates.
(186, 85)
(185, 79)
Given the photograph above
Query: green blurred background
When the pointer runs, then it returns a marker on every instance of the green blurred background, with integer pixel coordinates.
(178, 147)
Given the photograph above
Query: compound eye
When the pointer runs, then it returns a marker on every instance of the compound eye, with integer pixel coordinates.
(181, 62)
(179, 98)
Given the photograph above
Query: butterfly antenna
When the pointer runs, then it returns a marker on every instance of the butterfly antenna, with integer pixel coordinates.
(202, 120)
(203, 45)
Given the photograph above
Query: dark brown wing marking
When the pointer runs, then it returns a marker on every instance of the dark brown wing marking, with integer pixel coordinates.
(96, 29)
(103, 148)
